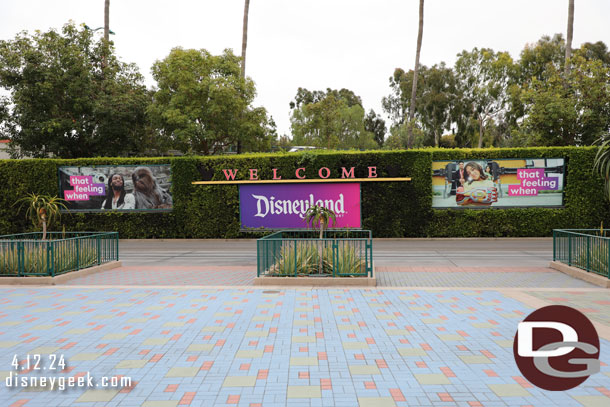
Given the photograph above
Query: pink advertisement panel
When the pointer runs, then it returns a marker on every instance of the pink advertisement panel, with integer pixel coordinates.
(283, 206)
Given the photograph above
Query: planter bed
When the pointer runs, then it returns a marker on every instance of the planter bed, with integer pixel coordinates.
(26, 254)
(342, 255)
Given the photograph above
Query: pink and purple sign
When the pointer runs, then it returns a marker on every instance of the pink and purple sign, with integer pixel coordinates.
(532, 181)
(83, 187)
(283, 206)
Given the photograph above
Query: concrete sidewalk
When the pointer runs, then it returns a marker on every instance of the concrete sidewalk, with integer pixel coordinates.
(492, 252)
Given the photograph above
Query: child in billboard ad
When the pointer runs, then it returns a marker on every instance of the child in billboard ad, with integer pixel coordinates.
(480, 183)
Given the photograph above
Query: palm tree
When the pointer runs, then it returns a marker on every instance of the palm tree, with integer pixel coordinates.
(106, 31)
(106, 19)
(244, 45)
(602, 164)
(244, 39)
(420, 34)
(318, 214)
(569, 37)
(42, 210)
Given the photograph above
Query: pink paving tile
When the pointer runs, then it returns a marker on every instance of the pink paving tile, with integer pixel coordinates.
(445, 397)
(447, 372)
(603, 390)
(187, 398)
(370, 385)
(397, 395)
(522, 382)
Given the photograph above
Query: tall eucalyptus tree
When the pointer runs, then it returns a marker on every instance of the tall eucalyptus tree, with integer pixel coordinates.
(569, 36)
(420, 34)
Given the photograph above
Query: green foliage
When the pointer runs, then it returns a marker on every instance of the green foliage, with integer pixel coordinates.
(483, 78)
(602, 164)
(389, 209)
(298, 258)
(375, 124)
(42, 210)
(317, 257)
(436, 100)
(72, 97)
(331, 119)
(203, 104)
(488, 99)
(568, 111)
(319, 216)
(36, 261)
(594, 257)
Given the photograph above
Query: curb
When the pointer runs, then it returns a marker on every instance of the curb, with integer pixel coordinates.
(61, 278)
(316, 281)
(580, 274)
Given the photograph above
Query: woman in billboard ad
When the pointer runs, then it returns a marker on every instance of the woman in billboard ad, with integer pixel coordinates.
(116, 188)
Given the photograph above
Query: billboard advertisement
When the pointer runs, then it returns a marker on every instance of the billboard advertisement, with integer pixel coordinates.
(119, 188)
(498, 183)
(283, 206)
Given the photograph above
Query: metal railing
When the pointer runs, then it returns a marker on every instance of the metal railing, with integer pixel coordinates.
(301, 252)
(588, 249)
(26, 254)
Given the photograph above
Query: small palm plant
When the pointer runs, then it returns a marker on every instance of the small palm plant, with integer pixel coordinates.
(42, 210)
(320, 215)
(602, 164)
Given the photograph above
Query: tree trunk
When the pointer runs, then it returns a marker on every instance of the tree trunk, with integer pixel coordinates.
(244, 45)
(420, 34)
(244, 40)
(321, 228)
(106, 31)
(569, 38)
(106, 20)
(481, 130)
(44, 230)
(436, 138)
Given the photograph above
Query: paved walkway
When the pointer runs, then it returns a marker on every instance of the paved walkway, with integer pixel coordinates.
(253, 347)
(490, 252)
(438, 331)
(476, 277)
(170, 275)
(387, 276)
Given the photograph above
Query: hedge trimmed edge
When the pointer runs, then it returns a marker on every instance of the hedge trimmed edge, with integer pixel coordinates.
(389, 209)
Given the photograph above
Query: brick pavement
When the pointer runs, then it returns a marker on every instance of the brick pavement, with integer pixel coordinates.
(252, 347)
(387, 276)
(170, 275)
(596, 305)
(419, 276)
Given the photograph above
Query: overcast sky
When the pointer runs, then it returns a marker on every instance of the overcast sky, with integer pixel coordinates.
(315, 44)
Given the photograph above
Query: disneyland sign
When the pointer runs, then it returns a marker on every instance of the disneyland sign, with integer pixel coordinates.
(279, 206)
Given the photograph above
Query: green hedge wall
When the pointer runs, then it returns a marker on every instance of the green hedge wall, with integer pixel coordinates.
(390, 209)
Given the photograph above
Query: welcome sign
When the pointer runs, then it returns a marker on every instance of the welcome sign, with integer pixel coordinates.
(283, 206)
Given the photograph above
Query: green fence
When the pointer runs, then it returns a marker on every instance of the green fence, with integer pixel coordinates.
(27, 254)
(588, 249)
(301, 252)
